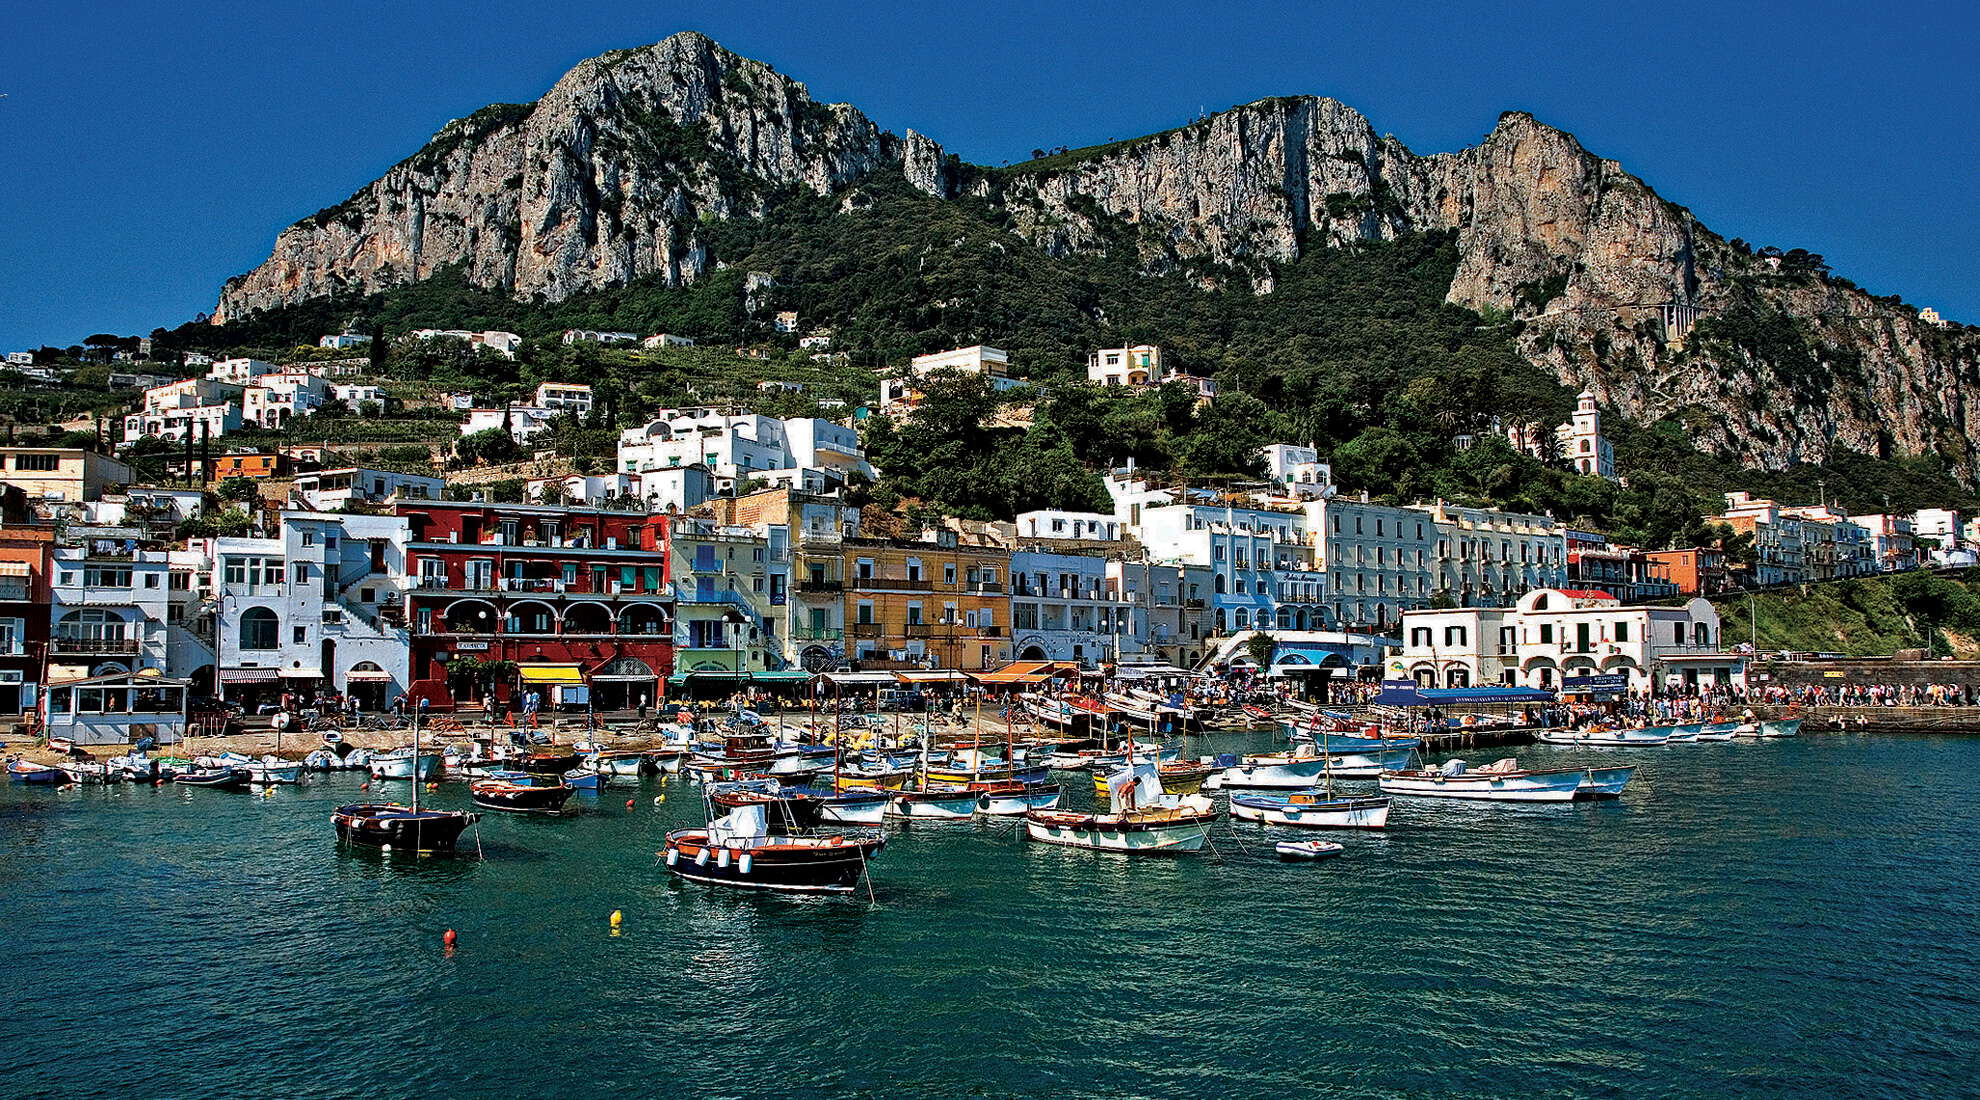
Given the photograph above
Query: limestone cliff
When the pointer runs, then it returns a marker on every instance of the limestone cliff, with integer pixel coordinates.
(609, 177)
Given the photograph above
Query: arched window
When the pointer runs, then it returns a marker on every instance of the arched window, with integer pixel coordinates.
(1218, 584)
(1240, 619)
(261, 628)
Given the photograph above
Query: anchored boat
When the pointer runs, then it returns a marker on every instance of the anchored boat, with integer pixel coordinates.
(1141, 817)
(1501, 781)
(737, 850)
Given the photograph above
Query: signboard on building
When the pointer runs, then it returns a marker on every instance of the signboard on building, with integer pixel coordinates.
(1612, 684)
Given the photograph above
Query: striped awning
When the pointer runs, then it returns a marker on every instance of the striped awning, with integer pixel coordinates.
(13, 569)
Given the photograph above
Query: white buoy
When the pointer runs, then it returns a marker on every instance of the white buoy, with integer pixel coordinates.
(722, 858)
(673, 856)
(384, 847)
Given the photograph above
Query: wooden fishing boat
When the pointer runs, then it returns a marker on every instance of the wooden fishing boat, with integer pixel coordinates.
(547, 762)
(510, 796)
(737, 850)
(1501, 781)
(1015, 799)
(1140, 817)
(391, 826)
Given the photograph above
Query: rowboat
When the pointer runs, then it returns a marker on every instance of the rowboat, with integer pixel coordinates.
(1601, 783)
(584, 779)
(737, 850)
(1716, 731)
(1781, 727)
(629, 762)
(1501, 781)
(1292, 850)
(1312, 809)
(1140, 818)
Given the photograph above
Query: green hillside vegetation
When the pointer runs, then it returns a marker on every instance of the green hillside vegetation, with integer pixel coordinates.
(1355, 352)
(1862, 617)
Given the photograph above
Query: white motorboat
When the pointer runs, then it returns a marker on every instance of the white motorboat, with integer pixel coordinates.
(1599, 783)
(937, 805)
(400, 764)
(273, 769)
(1781, 727)
(1501, 781)
(1019, 800)
(1291, 850)
(1311, 809)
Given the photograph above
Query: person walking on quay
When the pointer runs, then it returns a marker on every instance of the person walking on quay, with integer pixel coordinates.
(425, 707)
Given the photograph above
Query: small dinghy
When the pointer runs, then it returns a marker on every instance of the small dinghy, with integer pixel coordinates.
(27, 771)
(1291, 851)
(519, 798)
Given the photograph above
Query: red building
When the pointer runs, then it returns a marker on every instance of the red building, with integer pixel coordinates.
(26, 551)
(577, 599)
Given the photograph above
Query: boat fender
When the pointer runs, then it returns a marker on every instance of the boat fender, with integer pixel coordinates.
(701, 858)
(673, 856)
(722, 858)
(743, 862)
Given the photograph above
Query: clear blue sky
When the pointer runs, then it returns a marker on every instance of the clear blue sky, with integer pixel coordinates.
(155, 149)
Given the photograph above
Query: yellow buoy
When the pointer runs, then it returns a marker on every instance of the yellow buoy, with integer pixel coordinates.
(618, 918)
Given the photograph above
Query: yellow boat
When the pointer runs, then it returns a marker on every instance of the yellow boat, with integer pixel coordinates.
(886, 781)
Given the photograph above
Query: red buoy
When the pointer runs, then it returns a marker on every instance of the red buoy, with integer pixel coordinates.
(629, 803)
(449, 938)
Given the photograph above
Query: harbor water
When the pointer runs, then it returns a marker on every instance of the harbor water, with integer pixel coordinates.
(1762, 919)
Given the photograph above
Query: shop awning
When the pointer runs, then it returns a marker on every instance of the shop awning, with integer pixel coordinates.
(729, 676)
(1027, 672)
(550, 674)
(936, 677)
(13, 569)
(1295, 654)
(302, 673)
(367, 676)
(843, 678)
(250, 675)
(60, 673)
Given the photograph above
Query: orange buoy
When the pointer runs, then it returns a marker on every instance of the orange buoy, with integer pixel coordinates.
(629, 803)
(449, 938)
(364, 786)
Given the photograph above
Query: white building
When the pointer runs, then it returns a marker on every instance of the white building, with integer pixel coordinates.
(194, 406)
(737, 447)
(115, 608)
(1377, 558)
(905, 392)
(1055, 524)
(667, 340)
(503, 343)
(319, 607)
(343, 340)
(356, 395)
(273, 400)
(521, 421)
(1140, 365)
(597, 336)
(20, 359)
(1484, 557)
(1298, 472)
(1554, 637)
(786, 321)
(240, 372)
(670, 490)
(1064, 609)
(1579, 442)
(569, 397)
(330, 490)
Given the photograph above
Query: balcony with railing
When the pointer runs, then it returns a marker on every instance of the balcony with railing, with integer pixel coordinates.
(864, 630)
(72, 643)
(581, 585)
(810, 585)
(805, 633)
(903, 584)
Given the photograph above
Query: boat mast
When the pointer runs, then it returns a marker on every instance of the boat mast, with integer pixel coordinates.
(415, 763)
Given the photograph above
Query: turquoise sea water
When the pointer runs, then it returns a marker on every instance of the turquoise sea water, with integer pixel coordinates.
(1773, 919)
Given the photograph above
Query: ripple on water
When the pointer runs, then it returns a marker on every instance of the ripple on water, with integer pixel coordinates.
(1752, 919)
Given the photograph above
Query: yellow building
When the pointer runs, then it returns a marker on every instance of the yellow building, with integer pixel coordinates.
(68, 474)
(933, 603)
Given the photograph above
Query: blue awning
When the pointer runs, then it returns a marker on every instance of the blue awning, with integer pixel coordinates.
(1405, 693)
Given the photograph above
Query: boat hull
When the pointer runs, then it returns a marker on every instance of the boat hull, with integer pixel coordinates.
(1290, 775)
(942, 806)
(1781, 727)
(1603, 783)
(517, 798)
(403, 767)
(1339, 813)
(1609, 739)
(274, 773)
(1018, 803)
(388, 825)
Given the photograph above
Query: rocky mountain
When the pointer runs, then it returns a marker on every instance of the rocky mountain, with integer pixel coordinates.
(615, 173)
